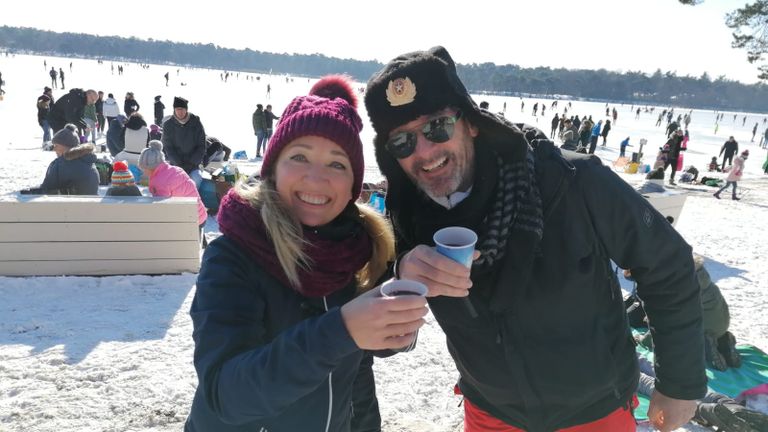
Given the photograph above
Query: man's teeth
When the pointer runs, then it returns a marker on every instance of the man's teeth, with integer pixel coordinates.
(437, 164)
(313, 199)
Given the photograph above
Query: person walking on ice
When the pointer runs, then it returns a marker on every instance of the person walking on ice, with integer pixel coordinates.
(734, 175)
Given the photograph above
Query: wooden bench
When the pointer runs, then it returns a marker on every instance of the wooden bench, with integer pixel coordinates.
(42, 235)
(669, 204)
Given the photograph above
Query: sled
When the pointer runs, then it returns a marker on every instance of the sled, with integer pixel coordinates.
(620, 164)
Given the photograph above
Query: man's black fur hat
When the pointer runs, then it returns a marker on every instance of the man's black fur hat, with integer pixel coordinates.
(423, 83)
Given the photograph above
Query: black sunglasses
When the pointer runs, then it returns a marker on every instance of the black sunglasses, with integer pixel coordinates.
(437, 130)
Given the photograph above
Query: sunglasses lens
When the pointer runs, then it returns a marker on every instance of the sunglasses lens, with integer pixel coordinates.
(439, 130)
(402, 145)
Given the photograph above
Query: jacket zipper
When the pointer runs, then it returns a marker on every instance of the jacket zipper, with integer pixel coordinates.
(330, 384)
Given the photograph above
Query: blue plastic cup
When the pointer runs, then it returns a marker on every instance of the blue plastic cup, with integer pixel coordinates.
(457, 243)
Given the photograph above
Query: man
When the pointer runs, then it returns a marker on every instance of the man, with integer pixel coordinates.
(100, 113)
(159, 110)
(44, 103)
(549, 347)
(184, 140)
(730, 148)
(259, 121)
(54, 78)
(594, 135)
(269, 117)
(70, 108)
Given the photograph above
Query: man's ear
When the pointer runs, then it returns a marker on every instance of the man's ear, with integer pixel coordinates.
(473, 130)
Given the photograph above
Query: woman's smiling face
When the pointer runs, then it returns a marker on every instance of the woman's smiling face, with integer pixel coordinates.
(314, 178)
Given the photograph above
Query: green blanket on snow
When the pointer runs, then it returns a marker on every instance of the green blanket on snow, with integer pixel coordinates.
(752, 373)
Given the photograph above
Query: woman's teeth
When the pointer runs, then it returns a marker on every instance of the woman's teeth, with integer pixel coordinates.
(313, 199)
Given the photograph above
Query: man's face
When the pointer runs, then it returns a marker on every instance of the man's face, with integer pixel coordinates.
(440, 169)
(180, 113)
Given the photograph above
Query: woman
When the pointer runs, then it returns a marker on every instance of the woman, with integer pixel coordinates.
(284, 306)
(111, 109)
(130, 105)
(135, 140)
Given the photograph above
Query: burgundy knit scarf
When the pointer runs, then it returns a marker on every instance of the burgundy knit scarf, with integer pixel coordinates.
(336, 251)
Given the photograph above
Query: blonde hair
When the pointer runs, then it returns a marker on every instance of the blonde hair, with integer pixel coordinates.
(286, 234)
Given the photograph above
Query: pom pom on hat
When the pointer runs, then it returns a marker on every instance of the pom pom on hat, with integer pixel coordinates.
(121, 175)
(152, 156)
(335, 86)
(67, 136)
(329, 111)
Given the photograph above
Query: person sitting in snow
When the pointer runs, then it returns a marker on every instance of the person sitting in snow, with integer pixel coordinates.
(123, 183)
(661, 158)
(73, 171)
(714, 166)
(719, 343)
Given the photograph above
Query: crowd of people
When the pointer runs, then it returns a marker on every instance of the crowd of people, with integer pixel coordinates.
(287, 314)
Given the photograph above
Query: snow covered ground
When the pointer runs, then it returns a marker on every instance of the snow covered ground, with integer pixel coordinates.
(115, 353)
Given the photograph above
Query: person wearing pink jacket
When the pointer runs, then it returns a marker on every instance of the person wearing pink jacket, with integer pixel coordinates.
(167, 180)
(734, 175)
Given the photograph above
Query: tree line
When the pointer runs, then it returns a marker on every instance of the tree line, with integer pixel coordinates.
(659, 88)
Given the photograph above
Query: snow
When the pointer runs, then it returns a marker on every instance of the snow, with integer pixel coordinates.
(115, 353)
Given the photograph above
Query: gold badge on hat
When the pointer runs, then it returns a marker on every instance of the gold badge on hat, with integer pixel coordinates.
(401, 91)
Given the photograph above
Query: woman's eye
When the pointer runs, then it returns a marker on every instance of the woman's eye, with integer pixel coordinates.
(338, 165)
(298, 158)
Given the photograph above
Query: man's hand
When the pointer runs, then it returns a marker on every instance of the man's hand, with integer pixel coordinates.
(377, 323)
(442, 275)
(667, 414)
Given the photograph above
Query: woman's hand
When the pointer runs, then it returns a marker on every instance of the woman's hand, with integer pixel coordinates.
(377, 323)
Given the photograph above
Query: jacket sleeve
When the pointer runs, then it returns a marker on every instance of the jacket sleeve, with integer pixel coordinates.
(51, 182)
(638, 237)
(243, 375)
(168, 139)
(199, 154)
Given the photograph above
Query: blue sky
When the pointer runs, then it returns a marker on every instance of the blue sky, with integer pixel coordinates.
(616, 35)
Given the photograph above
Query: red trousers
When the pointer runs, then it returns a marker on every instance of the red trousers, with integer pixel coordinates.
(477, 420)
